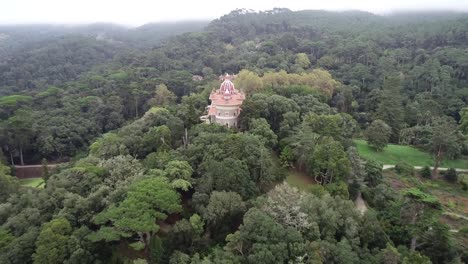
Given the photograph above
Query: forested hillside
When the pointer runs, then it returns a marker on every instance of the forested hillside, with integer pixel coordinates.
(146, 182)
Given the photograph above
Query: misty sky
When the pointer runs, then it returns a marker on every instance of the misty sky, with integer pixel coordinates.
(137, 12)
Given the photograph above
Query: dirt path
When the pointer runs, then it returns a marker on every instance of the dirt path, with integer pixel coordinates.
(456, 215)
(386, 167)
(360, 204)
(34, 166)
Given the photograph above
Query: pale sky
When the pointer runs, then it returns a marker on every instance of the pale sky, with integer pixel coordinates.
(138, 12)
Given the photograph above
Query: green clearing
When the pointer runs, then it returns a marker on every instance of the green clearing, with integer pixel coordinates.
(33, 182)
(299, 180)
(394, 154)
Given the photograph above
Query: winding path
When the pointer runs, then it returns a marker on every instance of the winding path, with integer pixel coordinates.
(34, 166)
(386, 167)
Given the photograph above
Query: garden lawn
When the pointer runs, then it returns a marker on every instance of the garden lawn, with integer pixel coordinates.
(394, 154)
(33, 182)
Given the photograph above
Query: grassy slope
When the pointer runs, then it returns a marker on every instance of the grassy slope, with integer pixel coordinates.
(33, 182)
(394, 154)
(454, 200)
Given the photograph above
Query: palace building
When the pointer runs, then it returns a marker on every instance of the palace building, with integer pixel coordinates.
(225, 104)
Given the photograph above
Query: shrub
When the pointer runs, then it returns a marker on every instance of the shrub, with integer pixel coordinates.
(464, 230)
(451, 175)
(317, 190)
(464, 182)
(426, 172)
(338, 189)
(404, 168)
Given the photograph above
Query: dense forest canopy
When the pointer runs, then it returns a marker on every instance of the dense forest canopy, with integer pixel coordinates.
(146, 182)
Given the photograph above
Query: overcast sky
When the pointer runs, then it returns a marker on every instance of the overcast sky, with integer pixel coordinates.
(138, 12)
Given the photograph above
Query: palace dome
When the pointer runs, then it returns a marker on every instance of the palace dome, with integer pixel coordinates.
(227, 87)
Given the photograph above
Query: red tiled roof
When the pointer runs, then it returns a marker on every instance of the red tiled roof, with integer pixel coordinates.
(212, 110)
(218, 98)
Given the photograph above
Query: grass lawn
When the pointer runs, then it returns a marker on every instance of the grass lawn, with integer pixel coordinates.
(394, 154)
(33, 182)
(299, 180)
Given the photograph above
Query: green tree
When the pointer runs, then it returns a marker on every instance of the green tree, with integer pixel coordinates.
(324, 125)
(222, 207)
(389, 255)
(197, 224)
(158, 138)
(261, 128)
(156, 250)
(329, 162)
(108, 146)
(19, 130)
(419, 211)
(162, 97)
(8, 184)
(147, 201)
(374, 174)
(378, 134)
(227, 175)
(262, 240)
(445, 141)
(45, 170)
(178, 170)
(302, 60)
(51, 245)
(248, 81)
(390, 109)
(464, 120)
(5, 238)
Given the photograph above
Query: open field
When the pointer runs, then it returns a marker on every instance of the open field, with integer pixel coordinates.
(33, 182)
(394, 154)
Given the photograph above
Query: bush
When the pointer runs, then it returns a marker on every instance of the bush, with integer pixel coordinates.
(451, 175)
(317, 190)
(464, 230)
(464, 182)
(426, 172)
(338, 189)
(404, 168)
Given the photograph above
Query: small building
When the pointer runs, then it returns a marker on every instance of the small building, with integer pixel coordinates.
(225, 104)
